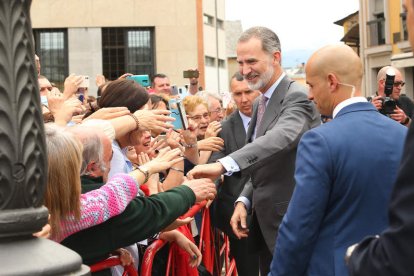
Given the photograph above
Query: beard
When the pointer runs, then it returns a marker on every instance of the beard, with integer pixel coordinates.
(264, 79)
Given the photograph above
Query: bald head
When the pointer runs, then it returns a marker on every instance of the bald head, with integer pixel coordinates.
(334, 74)
(339, 60)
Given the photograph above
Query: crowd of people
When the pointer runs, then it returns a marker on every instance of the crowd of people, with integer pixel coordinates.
(303, 181)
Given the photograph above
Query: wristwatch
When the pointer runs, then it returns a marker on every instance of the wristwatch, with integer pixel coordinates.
(145, 172)
(407, 119)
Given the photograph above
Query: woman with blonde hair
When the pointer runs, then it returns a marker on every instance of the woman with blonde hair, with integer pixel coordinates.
(197, 111)
(70, 211)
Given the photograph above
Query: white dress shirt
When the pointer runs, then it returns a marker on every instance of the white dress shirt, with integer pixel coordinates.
(346, 103)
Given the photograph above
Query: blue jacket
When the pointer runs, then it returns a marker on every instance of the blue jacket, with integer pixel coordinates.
(344, 175)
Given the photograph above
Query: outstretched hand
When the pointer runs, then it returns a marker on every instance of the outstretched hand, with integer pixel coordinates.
(157, 120)
(166, 159)
(203, 188)
(212, 171)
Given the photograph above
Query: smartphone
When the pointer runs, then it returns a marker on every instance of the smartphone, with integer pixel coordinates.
(178, 112)
(182, 92)
(142, 80)
(85, 82)
(174, 90)
(188, 74)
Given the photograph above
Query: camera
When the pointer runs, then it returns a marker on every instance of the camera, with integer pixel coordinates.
(388, 103)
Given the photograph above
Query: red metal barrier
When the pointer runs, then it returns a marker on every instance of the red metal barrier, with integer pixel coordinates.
(147, 261)
(206, 246)
(149, 255)
(113, 261)
(194, 209)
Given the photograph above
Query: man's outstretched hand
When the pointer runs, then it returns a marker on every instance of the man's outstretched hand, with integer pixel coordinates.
(212, 171)
(203, 188)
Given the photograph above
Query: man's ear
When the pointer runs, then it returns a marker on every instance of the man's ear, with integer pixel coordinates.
(92, 169)
(333, 82)
(277, 57)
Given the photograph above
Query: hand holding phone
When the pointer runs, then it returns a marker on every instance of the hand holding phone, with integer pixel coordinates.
(189, 74)
(80, 94)
(178, 112)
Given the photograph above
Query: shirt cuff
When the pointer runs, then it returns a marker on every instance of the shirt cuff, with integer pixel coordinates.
(230, 165)
(245, 201)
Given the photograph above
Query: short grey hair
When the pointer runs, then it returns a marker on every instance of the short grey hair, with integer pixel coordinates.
(270, 41)
(383, 71)
(92, 147)
(237, 76)
(205, 95)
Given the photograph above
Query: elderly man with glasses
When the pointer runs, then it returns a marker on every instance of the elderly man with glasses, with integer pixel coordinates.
(404, 105)
(214, 101)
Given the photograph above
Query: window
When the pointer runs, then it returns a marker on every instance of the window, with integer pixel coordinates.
(208, 19)
(376, 29)
(210, 61)
(127, 50)
(52, 48)
(403, 22)
(220, 24)
(222, 63)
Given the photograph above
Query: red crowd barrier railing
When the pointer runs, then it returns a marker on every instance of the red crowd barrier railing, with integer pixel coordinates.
(206, 246)
(129, 270)
(148, 259)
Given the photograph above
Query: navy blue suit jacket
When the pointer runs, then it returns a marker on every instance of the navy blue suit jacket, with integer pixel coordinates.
(344, 175)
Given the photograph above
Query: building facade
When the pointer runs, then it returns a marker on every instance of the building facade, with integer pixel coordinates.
(90, 37)
(384, 41)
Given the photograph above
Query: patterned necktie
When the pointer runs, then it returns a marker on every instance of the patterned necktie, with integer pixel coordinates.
(261, 110)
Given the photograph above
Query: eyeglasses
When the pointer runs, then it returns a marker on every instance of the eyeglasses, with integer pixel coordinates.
(218, 110)
(198, 117)
(398, 83)
(46, 88)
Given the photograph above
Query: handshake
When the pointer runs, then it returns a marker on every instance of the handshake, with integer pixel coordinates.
(201, 179)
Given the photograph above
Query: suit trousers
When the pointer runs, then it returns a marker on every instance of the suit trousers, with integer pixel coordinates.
(247, 262)
(257, 245)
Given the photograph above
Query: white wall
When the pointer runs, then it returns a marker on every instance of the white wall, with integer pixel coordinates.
(85, 53)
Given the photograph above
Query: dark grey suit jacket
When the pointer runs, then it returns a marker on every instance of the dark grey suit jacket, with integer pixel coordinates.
(234, 137)
(270, 158)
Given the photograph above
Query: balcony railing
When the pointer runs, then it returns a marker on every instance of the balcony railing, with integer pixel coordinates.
(376, 30)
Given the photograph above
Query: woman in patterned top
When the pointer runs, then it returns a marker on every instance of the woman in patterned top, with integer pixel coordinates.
(70, 211)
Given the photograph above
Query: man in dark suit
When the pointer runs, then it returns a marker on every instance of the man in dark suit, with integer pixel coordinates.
(233, 132)
(280, 117)
(344, 171)
(392, 252)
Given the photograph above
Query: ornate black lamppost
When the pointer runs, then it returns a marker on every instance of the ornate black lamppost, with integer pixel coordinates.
(23, 160)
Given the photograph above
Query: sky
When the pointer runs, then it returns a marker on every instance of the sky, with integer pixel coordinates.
(303, 26)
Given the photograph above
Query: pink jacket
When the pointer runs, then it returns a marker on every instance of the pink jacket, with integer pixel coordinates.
(100, 205)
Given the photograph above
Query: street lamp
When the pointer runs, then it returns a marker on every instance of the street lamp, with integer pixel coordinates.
(23, 160)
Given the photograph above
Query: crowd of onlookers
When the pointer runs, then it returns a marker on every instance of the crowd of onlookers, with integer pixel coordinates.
(303, 174)
(108, 154)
